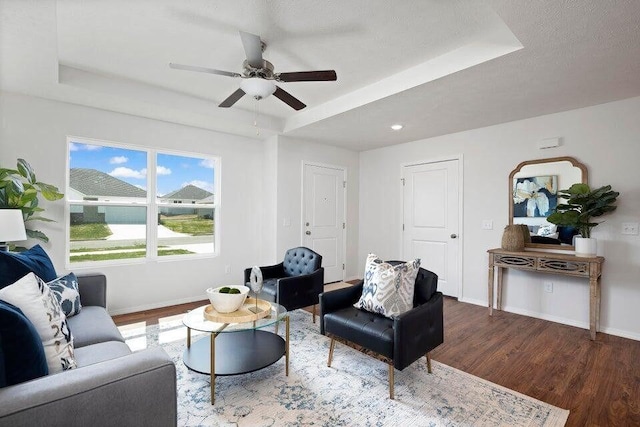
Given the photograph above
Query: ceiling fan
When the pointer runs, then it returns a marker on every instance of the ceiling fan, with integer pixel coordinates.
(258, 76)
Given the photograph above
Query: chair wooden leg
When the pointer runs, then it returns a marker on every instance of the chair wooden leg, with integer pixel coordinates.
(428, 362)
(391, 381)
(314, 313)
(331, 346)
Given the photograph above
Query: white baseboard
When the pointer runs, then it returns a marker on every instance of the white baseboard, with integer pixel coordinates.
(155, 305)
(571, 322)
(621, 333)
(473, 301)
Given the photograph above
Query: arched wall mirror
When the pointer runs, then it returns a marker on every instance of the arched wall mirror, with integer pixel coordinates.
(533, 194)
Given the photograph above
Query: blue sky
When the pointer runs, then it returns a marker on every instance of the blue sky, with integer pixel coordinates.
(174, 172)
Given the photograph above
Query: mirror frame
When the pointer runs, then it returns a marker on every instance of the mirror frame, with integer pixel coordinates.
(574, 162)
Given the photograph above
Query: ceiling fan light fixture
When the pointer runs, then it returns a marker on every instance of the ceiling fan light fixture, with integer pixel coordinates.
(257, 88)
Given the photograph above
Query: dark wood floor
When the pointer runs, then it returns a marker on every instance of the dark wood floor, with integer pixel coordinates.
(598, 381)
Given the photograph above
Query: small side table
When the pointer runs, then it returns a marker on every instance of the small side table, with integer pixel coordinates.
(235, 348)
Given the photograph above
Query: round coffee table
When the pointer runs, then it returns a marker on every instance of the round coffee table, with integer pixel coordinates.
(237, 348)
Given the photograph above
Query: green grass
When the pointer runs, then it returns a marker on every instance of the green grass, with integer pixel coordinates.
(109, 248)
(125, 255)
(188, 224)
(89, 232)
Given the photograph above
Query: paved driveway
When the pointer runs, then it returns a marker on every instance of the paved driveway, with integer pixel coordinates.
(139, 231)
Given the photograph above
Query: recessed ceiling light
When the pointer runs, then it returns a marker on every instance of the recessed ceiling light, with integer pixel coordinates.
(396, 127)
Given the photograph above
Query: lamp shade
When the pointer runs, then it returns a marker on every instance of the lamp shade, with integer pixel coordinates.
(257, 87)
(12, 225)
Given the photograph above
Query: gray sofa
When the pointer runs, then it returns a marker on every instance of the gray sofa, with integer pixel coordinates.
(111, 386)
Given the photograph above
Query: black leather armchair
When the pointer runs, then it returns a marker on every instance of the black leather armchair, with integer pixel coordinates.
(399, 341)
(294, 283)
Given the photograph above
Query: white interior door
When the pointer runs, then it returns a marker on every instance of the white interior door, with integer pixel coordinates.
(431, 218)
(324, 217)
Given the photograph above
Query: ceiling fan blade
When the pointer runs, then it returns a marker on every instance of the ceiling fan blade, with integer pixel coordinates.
(307, 76)
(202, 70)
(252, 48)
(288, 99)
(232, 99)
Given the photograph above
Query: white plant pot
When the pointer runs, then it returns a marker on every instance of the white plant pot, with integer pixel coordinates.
(586, 246)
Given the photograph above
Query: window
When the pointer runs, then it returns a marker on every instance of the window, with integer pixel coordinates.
(113, 217)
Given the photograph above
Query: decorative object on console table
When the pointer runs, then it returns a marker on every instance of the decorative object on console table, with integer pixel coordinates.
(582, 205)
(513, 238)
(11, 227)
(19, 189)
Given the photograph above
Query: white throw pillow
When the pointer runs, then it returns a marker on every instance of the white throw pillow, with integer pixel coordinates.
(38, 303)
(387, 289)
(547, 230)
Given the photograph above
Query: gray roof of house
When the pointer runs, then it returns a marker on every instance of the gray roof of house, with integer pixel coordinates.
(190, 192)
(92, 182)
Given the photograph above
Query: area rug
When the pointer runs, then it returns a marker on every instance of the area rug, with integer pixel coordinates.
(352, 392)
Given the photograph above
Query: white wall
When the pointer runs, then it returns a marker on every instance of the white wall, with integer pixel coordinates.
(291, 155)
(606, 138)
(36, 129)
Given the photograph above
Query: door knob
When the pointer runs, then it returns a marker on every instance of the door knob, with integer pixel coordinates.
(454, 235)
(308, 233)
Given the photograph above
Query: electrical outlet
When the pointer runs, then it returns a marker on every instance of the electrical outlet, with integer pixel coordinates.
(548, 287)
(630, 228)
(227, 269)
(487, 224)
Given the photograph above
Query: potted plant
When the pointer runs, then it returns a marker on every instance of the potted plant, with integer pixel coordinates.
(583, 204)
(19, 189)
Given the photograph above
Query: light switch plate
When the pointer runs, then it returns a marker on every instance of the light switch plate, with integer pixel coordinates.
(630, 228)
(487, 224)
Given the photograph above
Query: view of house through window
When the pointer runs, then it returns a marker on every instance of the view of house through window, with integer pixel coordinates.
(111, 215)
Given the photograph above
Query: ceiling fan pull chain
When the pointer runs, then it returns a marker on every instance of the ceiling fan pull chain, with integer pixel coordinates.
(255, 118)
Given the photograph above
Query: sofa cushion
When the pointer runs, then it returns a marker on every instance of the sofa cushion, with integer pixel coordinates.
(41, 307)
(14, 265)
(369, 330)
(100, 352)
(21, 352)
(93, 325)
(388, 289)
(66, 291)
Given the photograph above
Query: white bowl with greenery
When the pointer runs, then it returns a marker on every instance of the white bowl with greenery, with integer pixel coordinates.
(227, 299)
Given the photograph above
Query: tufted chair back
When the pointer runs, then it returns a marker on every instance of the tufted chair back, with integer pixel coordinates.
(300, 261)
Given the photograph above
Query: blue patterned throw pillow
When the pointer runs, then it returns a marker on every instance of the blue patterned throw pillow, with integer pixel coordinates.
(388, 289)
(66, 291)
(14, 265)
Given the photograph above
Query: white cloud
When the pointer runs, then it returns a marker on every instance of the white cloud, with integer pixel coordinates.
(122, 172)
(118, 160)
(208, 163)
(161, 170)
(200, 184)
(74, 146)
(142, 187)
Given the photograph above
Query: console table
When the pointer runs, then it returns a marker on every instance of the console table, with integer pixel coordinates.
(547, 262)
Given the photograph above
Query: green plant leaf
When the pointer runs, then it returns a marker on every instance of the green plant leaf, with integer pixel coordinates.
(35, 234)
(39, 218)
(50, 192)
(24, 169)
(15, 184)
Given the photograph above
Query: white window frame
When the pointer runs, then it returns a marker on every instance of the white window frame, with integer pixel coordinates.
(152, 205)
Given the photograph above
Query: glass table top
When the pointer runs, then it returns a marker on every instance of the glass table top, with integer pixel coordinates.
(195, 320)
